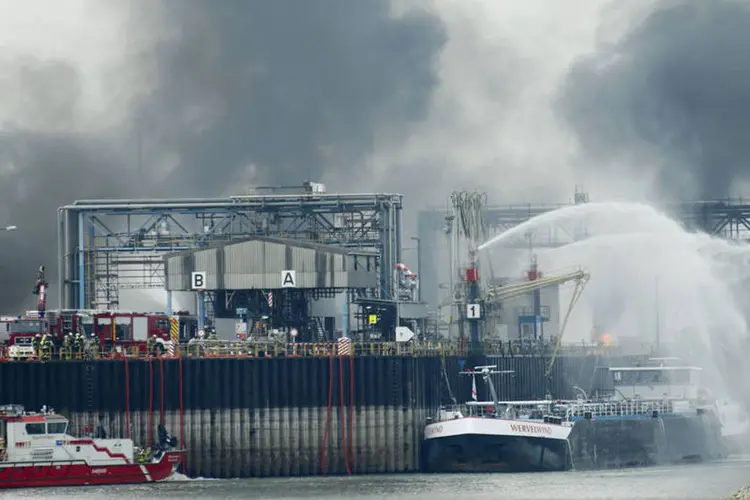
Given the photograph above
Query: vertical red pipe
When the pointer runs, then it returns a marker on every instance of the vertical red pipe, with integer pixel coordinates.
(161, 381)
(127, 398)
(342, 413)
(182, 416)
(328, 416)
(351, 410)
(150, 400)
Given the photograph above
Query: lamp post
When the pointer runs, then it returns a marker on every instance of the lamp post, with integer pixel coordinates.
(419, 269)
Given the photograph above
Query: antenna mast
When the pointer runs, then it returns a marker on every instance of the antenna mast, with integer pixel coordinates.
(485, 371)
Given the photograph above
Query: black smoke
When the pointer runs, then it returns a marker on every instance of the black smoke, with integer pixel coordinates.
(45, 163)
(245, 91)
(670, 99)
(296, 89)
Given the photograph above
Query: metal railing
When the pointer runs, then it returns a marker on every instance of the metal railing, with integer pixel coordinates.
(221, 348)
(618, 409)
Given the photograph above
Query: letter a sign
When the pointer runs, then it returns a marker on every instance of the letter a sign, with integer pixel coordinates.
(289, 279)
(198, 281)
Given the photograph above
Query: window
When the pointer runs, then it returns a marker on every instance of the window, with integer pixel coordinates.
(36, 429)
(162, 324)
(57, 427)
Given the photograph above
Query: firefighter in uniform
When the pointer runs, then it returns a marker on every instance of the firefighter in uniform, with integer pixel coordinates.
(37, 345)
(151, 345)
(45, 348)
(78, 345)
(94, 346)
(67, 347)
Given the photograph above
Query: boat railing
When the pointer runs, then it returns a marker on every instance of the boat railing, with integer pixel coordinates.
(617, 408)
(488, 410)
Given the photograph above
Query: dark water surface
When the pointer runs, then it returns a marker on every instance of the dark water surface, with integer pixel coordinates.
(710, 481)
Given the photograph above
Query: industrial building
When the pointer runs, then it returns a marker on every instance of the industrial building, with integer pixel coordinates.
(105, 246)
(273, 283)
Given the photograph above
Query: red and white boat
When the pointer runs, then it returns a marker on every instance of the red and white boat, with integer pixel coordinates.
(36, 451)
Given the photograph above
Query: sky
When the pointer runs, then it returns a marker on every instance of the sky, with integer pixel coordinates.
(632, 100)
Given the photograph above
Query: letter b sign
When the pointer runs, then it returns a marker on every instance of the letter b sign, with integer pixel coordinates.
(198, 281)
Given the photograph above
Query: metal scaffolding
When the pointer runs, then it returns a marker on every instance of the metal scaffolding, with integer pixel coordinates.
(108, 245)
(728, 218)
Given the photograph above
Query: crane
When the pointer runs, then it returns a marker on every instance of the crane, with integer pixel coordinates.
(580, 277)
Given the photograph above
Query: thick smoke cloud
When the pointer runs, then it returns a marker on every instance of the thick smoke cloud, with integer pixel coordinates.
(284, 91)
(222, 94)
(44, 163)
(669, 100)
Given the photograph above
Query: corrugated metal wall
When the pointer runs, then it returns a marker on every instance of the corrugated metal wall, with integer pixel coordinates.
(259, 264)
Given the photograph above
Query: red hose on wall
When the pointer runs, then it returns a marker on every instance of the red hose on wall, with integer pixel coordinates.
(351, 410)
(161, 379)
(182, 417)
(328, 416)
(150, 400)
(342, 412)
(127, 398)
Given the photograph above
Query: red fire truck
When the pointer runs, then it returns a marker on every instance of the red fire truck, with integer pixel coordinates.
(111, 327)
(18, 333)
(117, 328)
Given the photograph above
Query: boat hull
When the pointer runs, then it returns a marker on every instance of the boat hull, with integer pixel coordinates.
(495, 445)
(79, 473)
(487, 453)
(642, 442)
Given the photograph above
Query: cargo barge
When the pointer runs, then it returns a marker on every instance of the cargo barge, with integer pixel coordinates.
(656, 414)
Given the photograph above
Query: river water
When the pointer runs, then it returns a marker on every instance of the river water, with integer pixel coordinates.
(711, 481)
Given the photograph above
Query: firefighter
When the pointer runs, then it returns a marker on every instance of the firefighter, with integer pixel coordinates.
(151, 345)
(71, 344)
(67, 346)
(37, 344)
(78, 345)
(94, 346)
(45, 348)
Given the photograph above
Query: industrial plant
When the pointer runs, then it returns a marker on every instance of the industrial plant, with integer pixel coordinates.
(307, 332)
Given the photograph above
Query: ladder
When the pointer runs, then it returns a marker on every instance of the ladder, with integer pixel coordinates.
(320, 332)
(90, 376)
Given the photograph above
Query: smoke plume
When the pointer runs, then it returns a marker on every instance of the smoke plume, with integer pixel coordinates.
(667, 101)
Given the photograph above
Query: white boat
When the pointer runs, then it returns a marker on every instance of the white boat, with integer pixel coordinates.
(497, 436)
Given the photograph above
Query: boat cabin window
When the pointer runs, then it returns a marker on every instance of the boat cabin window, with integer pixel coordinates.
(57, 427)
(36, 429)
(651, 377)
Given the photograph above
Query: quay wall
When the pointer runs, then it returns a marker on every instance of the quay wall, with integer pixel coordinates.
(260, 417)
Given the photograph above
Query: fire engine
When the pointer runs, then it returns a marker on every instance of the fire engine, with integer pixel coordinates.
(19, 333)
(112, 328)
(118, 328)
